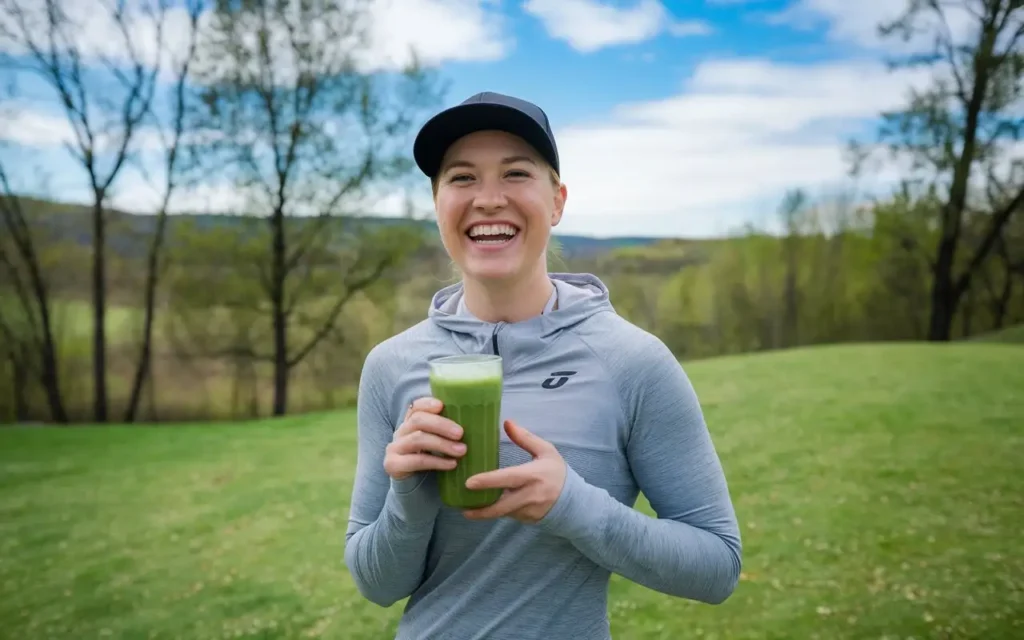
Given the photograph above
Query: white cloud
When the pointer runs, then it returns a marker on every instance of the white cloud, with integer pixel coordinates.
(719, 153)
(589, 25)
(132, 192)
(725, 149)
(857, 22)
(23, 124)
(438, 30)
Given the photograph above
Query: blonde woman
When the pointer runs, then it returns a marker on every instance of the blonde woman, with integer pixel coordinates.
(621, 418)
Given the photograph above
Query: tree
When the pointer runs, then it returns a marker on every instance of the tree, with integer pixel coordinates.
(173, 158)
(304, 127)
(26, 325)
(104, 87)
(959, 131)
(790, 213)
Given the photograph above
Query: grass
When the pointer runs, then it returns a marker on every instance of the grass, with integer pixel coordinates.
(878, 487)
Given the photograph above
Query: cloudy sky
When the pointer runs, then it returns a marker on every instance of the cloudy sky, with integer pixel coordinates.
(684, 118)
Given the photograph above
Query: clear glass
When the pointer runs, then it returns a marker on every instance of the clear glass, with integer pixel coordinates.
(470, 387)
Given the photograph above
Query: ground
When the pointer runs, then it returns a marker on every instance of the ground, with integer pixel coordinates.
(878, 488)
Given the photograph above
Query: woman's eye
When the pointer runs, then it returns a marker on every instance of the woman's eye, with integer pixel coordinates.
(518, 173)
(461, 177)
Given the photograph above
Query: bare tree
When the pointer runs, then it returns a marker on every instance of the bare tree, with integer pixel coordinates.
(307, 128)
(30, 342)
(959, 130)
(173, 158)
(104, 79)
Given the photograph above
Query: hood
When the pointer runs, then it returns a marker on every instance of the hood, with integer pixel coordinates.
(580, 296)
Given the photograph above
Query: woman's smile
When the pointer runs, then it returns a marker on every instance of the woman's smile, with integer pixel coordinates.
(489, 237)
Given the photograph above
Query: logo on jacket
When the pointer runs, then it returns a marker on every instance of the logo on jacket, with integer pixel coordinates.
(557, 379)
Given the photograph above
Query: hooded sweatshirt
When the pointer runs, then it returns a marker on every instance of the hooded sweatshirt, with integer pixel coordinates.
(622, 413)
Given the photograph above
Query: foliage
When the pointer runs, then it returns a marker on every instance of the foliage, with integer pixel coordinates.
(958, 135)
(295, 119)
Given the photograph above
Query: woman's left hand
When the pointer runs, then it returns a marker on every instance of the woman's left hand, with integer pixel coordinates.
(530, 489)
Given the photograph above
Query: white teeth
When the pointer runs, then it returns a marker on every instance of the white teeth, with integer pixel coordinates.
(492, 230)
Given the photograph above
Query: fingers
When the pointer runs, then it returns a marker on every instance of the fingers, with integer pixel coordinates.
(422, 434)
(431, 423)
(432, 405)
(507, 478)
(509, 502)
(401, 466)
(418, 441)
(534, 445)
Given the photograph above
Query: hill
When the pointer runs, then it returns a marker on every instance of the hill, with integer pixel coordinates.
(878, 488)
(70, 222)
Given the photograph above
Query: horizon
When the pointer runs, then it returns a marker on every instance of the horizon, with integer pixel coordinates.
(683, 120)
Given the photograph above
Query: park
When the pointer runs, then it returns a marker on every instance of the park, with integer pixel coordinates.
(179, 382)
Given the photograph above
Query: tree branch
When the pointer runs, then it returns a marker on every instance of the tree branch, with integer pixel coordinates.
(998, 222)
(351, 289)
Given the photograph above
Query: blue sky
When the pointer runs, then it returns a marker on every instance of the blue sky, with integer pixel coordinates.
(685, 118)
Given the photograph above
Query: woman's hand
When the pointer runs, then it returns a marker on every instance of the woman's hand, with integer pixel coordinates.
(531, 489)
(421, 434)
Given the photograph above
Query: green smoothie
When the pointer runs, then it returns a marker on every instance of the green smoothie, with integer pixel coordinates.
(470, 388)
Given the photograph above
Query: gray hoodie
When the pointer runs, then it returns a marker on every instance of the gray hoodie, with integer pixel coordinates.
(625, 418)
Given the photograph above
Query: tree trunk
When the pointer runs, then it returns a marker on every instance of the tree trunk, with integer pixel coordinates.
(20, 383)
(143, 368)
(945, 295)
(277, 288)
(99, 308)
(50, 378)
(943, 304)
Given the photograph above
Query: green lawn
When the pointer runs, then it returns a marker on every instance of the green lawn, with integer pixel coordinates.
(879, 488)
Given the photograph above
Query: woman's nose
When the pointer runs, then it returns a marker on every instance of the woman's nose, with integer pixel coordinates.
(490, 196)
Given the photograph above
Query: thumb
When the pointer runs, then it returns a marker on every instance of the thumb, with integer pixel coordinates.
(532, 444)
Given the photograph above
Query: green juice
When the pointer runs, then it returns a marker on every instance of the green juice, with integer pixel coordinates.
(470, 389)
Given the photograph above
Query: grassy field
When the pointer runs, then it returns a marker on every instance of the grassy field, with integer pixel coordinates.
(878, 487)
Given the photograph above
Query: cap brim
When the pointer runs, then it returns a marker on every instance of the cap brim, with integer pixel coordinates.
(448, 126)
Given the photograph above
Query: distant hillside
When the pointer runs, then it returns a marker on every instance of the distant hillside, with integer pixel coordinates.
(70, 222)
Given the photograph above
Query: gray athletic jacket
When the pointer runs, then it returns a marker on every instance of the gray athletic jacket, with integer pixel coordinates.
(621, 411)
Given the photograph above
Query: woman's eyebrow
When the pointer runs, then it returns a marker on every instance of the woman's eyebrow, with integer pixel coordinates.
(512, 159)
(466, 164)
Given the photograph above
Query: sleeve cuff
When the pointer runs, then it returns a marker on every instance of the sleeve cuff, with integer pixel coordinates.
(578, 511)
(414, 499)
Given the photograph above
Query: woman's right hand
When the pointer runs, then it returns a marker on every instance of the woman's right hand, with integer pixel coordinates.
(422, 432)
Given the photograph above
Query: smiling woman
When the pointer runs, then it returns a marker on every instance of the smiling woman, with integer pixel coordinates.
(607, 412)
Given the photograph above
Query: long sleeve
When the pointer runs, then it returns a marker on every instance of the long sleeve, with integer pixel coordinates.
(390, 522)
(692, 549)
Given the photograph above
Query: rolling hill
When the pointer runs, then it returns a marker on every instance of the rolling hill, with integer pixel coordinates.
(129, 231)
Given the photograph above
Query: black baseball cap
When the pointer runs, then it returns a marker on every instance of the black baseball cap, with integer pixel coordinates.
(480, 112)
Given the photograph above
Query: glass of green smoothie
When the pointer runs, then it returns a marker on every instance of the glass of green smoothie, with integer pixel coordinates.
(470, 388)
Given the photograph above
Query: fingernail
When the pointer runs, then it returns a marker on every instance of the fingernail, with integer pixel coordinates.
(461, 448)
(456, 433)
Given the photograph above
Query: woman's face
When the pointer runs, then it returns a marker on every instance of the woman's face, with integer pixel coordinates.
(496, 204)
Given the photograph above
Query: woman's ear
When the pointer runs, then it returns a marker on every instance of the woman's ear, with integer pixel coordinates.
(560, 196)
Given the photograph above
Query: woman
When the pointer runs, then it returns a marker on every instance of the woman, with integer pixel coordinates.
(574, 455)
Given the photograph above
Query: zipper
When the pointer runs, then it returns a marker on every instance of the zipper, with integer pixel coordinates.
(494, 340)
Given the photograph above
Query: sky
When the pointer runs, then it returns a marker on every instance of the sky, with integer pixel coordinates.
(686, 118)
